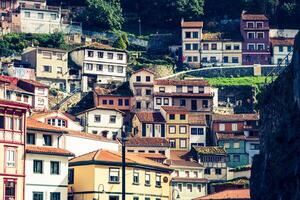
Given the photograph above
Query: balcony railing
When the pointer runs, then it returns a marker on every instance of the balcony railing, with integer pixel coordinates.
(11, 136)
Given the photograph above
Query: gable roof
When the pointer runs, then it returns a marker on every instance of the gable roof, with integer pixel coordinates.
(34, 83)
(211, 150)
(144, 69)
(175, 109)
(104, 157)
(235, 117)
(261, 17)
(147, 142)
(100, 108)
(282, 41)
(181, 82)
(191, 24)
(236, 194)
(183, 163)
(37, 125)
(150, 117)
(80, 134)
(47, 150)
(38, 115)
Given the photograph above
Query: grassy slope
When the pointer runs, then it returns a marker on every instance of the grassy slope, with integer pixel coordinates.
(237, 81)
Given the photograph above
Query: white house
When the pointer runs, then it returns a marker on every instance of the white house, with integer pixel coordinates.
(191, 35)
(58, 119)
(211, 50)
(107, 122)
(46, 163)
(101, 64)
(282, 49)
(198, 129)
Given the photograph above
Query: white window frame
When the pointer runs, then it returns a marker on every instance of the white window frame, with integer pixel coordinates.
(222, 127)
(172, 129)
(249, 45)
(263, 34)
(254, 35)
(234, 127)
(10, 157)
(258, 44)
(250, 23)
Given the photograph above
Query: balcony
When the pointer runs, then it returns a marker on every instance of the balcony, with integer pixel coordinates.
(35, 7)
(11, 136)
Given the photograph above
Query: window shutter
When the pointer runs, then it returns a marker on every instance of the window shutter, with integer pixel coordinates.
(162, 130)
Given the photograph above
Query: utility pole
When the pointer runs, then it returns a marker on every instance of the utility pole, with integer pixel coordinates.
(124, 139)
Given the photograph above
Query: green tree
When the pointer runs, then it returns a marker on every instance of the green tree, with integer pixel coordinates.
(190, 8)
(102, 14)
(120, 43)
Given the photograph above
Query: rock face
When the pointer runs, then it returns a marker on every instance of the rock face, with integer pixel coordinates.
(276, 170)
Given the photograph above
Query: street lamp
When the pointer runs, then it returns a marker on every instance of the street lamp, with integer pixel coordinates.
(173, 192)
(100, 191)
(124, 139)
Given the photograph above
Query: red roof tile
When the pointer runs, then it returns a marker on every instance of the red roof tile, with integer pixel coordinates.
(34, 124)
(80, 134)
(174, 94)
(254, 17)
(14, 104)
(242, 194)
(101, 107)
(178, 154)
(147, 142)
(150, 117)
(13, 87)
(189, 180)
(230, 136)
(173, 109)
(144, 69)
(48, 150)
(235, 117)
(181, 82)
(182, 163)
(152, 155)
(34, 83)
(282, 41)
(192, 24)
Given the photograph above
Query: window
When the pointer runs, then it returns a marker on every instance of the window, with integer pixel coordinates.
(19, 97)
(236, 47)
(166, 101)
(90, 53)
(40, 15)
(222, 127)
(260, 47)
(2, 122)
(205, 46)
(188, 47)
(190, 89)
(189, 59)
(135, 198)
(138, 105)
(104, 102)
(259, 24)
(158, 180)
(27, 14)
(234, 127)
(218, 171)
(10, 157)
(228, 47)
(71, 176)
(9, 189)
(114, 175)
(138, 79)
(148, 92)
(53, 16)
(47, 140)
(89, 66)
(179, 187)
(138, 92)
(54, 195)
(235, 60)
(171, 116)
(254, 146)
(182, 117)
(172, 129)
(100, 54)
(110, 68)
(260, 35)
(47, 68)
(214, 46)
(3, 4)
(182, 102)
(38, 196)
(195, 58)
(37, 166)
(126, 102)
(120, 69)
(225, 59)
(251, 47)
(290, 48)
(195, 174)
(213, 59)
(97, 118)
(120, 102)
(197, 131)
(250, 24)
(18, 121)
(54, 167)
(226, 145)
(199, 187)
(190, 187)
(110, 55)
(158, 101)
(182, 129)
(136, 179)
(112, 119)
(99, 67)
(187, 34)
(236, 158)
(147, 179)
(195, 46)
(148, 78)
(182, 143)
(250, 35)
(120, 56)
(204, 103)
(172, 143)
(236, 145)
(207, 171)
(59, 70)
(195, 34)
(111, 102)
(30, 139)
(9, 123)
(113, 197)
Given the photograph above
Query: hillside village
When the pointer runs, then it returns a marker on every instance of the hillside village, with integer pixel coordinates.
(189, 127)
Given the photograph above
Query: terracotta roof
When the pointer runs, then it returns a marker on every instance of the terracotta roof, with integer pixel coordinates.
(172, 109)
(178, 154)
(34, 124)
(192, 24)
(101, 108)
(14, 104)
(34, 83)
(254, 17)
(230, 136)
(147, 142)
(152, 155)
(13, 87)
(181, 82)
(235, 117)
(4, 80)
(197, 119)
(144, 69)
(109, 157)
(52, 49)
(183, 163)
(282, 41)
(174, 94)
(48, 150)
(235, 194)
(9, 79)
(38, 115)
(80, 134)
(211, 150)
(189, 180)
(150, 117)
(212, 36)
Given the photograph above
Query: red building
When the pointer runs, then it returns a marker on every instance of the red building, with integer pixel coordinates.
(12, 149)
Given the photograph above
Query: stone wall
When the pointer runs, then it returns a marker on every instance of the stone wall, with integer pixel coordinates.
(276, 170)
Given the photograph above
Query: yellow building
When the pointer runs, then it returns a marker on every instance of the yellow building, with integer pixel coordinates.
(97, 175)
(177, 127)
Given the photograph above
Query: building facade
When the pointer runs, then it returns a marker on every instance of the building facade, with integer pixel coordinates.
(198, 130)
(282, 51)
